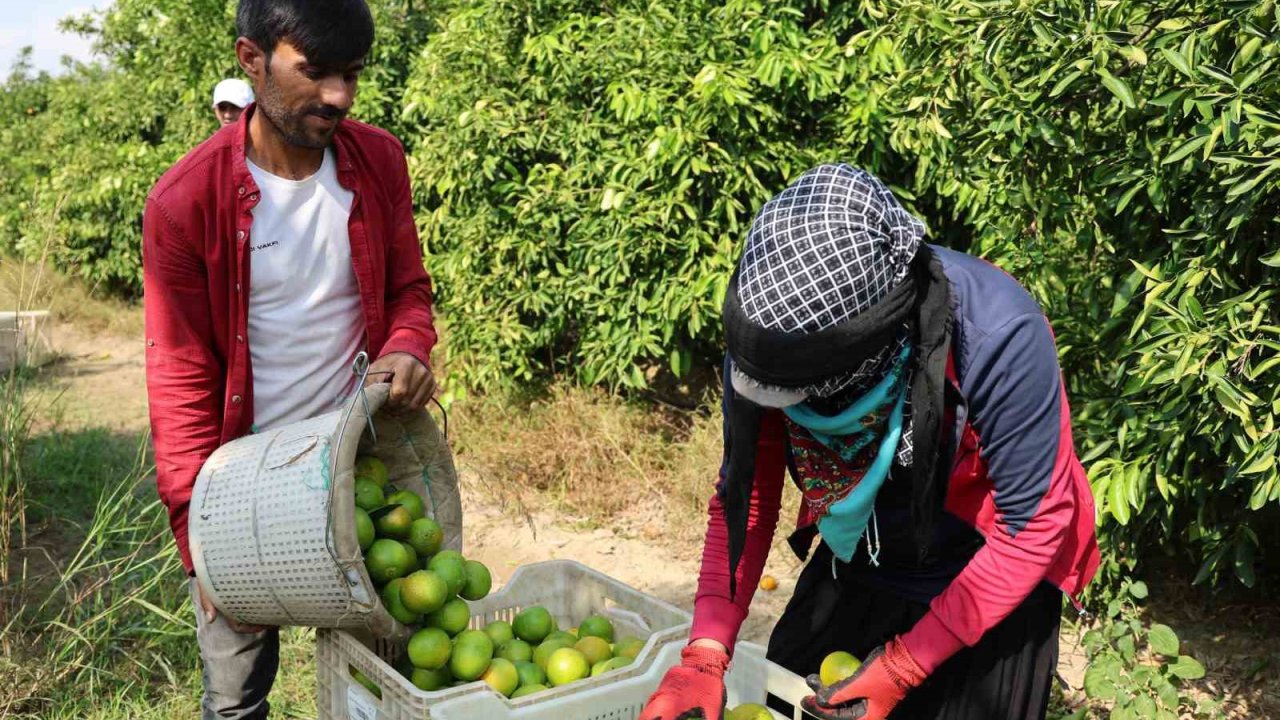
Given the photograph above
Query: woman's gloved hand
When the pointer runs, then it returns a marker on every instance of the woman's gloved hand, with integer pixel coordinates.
(872, 692)
(692, 689)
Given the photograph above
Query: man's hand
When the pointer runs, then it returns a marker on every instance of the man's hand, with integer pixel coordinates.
(412, 383)
(211, 613)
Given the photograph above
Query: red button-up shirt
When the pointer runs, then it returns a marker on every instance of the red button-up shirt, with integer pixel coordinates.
(195, 261)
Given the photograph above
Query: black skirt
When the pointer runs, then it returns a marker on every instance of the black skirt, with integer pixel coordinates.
(1008, 675)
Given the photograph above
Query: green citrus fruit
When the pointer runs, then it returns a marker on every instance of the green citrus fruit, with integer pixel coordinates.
(605, 666)
(566, 665)
(530, 673)
(431, 680)
(429, 648)
(499, 631)
(451, 618)
(749, 711)
(394, 523)
(628, 647)
(394, 605)
(596, 626)
(528, 690)
(367, 683)
(543, 652)
(424, 592)
(371, 469)
(425, 536)
(364, 529)
(449, 565)
(502, 676)
(387, 559)
(368, 495)
(478, 583)
(533, 624)
(595, 649)
(837, 666)
(563, 636)
(515, 650)
(472, 653)
(410, 501)
(415, 562)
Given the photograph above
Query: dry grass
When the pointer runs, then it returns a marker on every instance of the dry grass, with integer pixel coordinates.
(593, 457)
(35, 286)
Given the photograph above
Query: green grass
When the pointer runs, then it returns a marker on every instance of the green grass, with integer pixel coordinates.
(95, 620)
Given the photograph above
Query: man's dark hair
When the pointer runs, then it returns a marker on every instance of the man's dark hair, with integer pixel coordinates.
(330, 33)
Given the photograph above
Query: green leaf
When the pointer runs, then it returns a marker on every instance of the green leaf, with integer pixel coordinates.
(1187, 668)
(1179, 61)
(1138, 590)
(1097, 685)
(1185, 149)
(1144, 706)
(1118, 501)
(1065, 83)
(1163, 640)
(1118, 87)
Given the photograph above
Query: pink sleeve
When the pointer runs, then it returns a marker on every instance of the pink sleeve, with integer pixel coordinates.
(1005, 570)
(715, 615)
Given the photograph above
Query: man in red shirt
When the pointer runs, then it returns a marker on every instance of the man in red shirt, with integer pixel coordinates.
(273, 254)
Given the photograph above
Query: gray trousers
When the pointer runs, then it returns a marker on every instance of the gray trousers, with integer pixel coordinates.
(239, 668)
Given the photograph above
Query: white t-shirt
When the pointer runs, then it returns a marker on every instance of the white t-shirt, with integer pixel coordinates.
(305, 321)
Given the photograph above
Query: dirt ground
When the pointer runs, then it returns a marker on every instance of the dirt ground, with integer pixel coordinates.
(100, 381)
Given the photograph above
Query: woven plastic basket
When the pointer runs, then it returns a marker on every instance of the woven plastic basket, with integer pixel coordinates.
(272, 527)
(569, 590)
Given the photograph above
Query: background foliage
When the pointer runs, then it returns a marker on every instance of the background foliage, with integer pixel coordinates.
(585, 171)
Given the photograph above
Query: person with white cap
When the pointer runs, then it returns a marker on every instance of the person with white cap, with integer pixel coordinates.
(913, 394)
(230, 98)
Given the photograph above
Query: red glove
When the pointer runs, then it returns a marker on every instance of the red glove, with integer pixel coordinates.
(872, 692)
(692, 689)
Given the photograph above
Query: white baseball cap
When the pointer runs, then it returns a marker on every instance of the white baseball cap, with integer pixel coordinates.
(234, 91)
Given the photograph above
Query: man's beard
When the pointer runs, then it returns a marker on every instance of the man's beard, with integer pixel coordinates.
(290, 123)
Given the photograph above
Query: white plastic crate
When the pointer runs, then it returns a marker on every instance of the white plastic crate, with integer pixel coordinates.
(569, 590)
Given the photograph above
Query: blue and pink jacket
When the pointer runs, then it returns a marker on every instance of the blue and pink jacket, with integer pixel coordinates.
(1016, 479)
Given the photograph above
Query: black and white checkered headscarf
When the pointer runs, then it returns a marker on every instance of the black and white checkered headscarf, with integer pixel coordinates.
(827, 248)
(834, 280)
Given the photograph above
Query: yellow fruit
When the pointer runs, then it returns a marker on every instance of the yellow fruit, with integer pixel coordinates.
(424, 592)
(478, 580)
(502, 676)
(368, 495)
(566, 665)
(542, 654)
(597, 626)
(410, 501)
(429, 649)
(394, 524)
(452, 618)
(533, 624)
(595, 649)
(837, 666)
(768, 583)
(371, 469)
(749, 711)
(605, 666)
